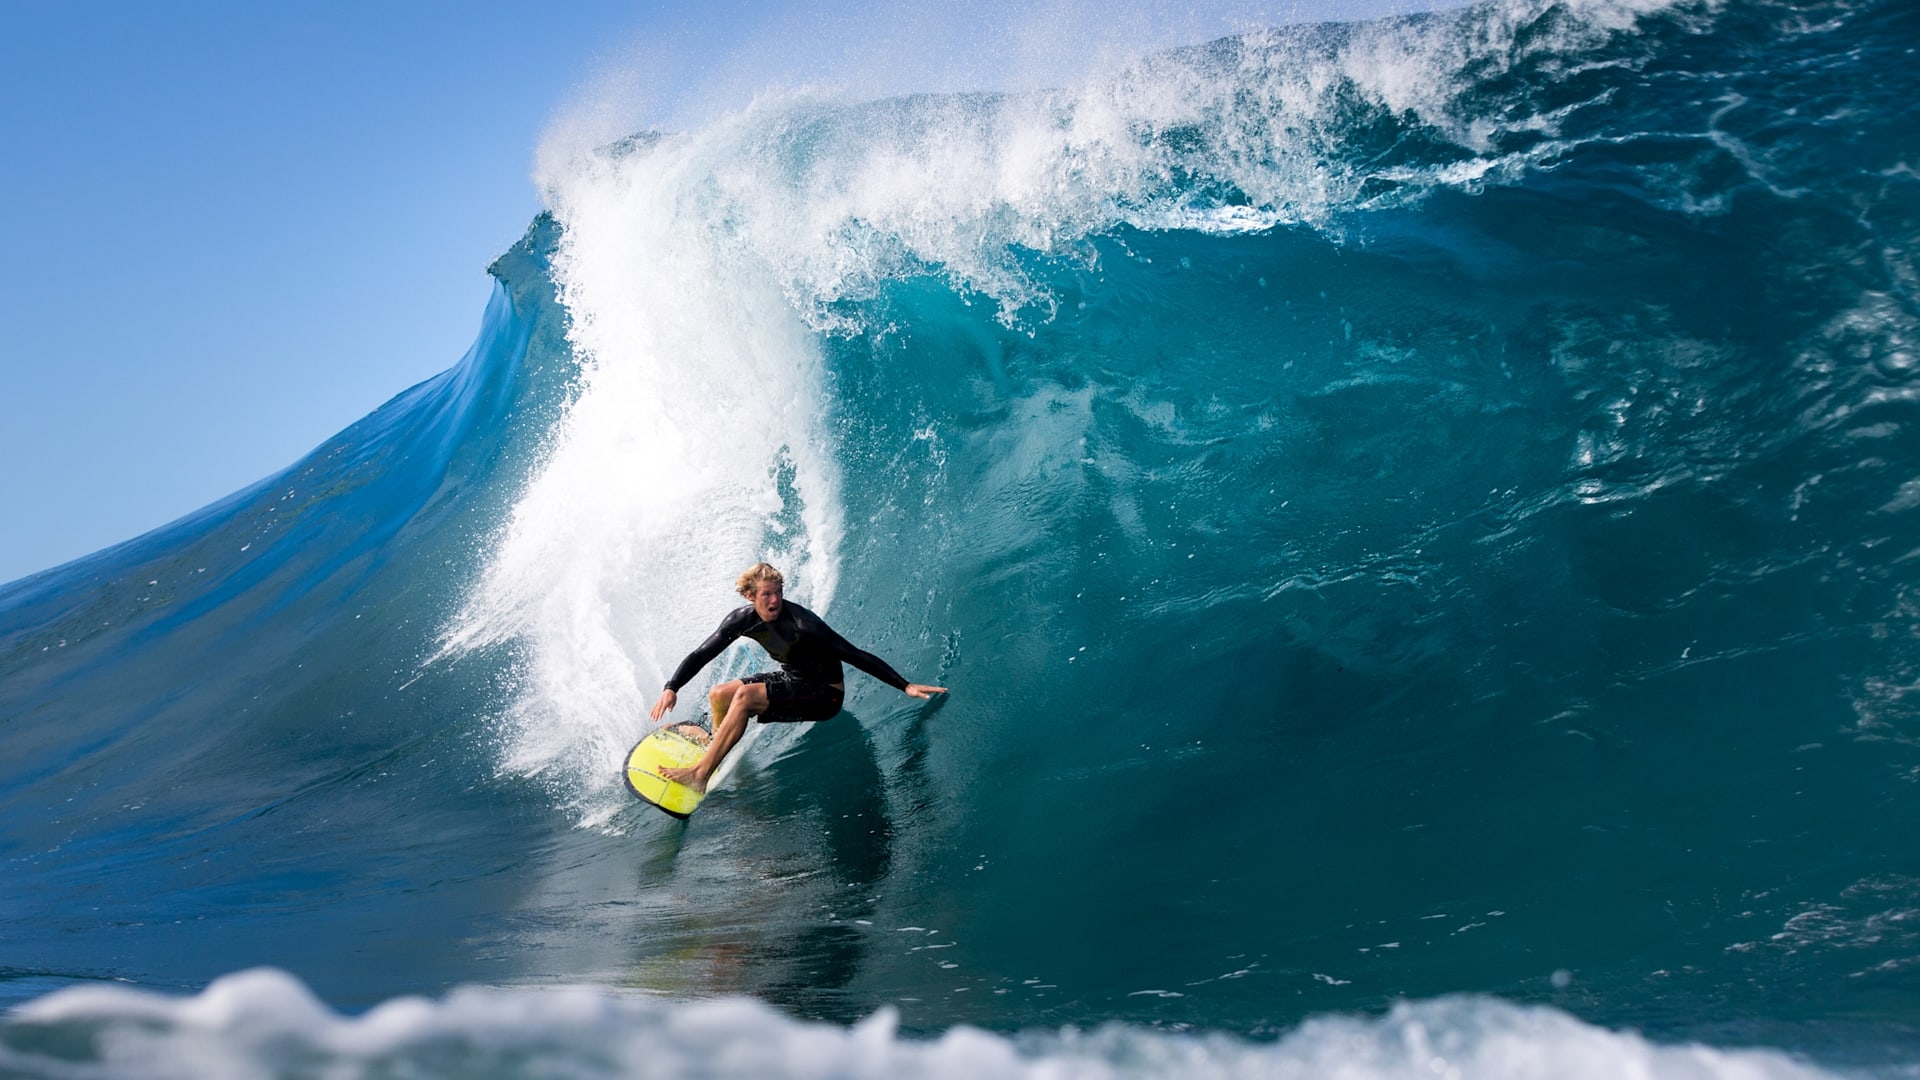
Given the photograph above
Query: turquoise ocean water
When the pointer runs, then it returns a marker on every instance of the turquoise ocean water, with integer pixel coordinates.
(1421, 521)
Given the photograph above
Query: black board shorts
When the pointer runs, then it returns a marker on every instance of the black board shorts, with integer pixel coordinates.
(794, 701)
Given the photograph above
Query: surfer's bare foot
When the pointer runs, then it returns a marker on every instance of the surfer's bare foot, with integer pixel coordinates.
(695, 732)
(689, 776)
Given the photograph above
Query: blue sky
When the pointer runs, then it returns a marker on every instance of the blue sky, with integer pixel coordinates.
(235, 228)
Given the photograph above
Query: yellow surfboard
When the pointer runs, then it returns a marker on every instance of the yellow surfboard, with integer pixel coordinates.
(664, 749)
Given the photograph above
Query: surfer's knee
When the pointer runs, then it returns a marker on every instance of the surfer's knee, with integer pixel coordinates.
(754, 696)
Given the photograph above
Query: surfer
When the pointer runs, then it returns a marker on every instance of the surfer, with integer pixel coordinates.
(809, 686)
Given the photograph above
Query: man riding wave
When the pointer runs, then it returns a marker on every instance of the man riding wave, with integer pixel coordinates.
(810, 684)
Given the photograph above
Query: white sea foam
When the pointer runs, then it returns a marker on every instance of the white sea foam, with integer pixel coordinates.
(830, 196)
(694, 446)
(264, 1023)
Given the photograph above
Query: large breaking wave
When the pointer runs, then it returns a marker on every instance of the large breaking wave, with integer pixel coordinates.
(1405, 508)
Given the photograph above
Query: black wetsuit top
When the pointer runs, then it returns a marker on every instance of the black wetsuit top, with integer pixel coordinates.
(805, 645)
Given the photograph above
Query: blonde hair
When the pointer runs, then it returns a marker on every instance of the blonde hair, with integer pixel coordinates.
(749, 582)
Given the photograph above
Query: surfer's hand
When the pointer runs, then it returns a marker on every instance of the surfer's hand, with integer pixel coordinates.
(668, 699)
(919, 691)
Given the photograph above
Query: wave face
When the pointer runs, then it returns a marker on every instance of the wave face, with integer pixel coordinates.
(1405, 509)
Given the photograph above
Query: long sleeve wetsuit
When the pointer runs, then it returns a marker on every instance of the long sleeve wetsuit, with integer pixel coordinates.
(806, 647)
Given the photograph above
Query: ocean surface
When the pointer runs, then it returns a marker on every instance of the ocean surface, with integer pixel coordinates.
(1420, 520)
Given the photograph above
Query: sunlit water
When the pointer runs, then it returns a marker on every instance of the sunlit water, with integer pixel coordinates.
(1418, 518)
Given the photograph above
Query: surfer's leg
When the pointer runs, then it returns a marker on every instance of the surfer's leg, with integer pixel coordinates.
(749, 701)
(745, 701)
(717, 700)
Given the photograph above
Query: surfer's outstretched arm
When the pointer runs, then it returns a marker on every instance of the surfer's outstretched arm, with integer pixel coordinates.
(873, 665)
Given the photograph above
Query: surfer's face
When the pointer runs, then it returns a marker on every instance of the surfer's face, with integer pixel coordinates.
(766, 601)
